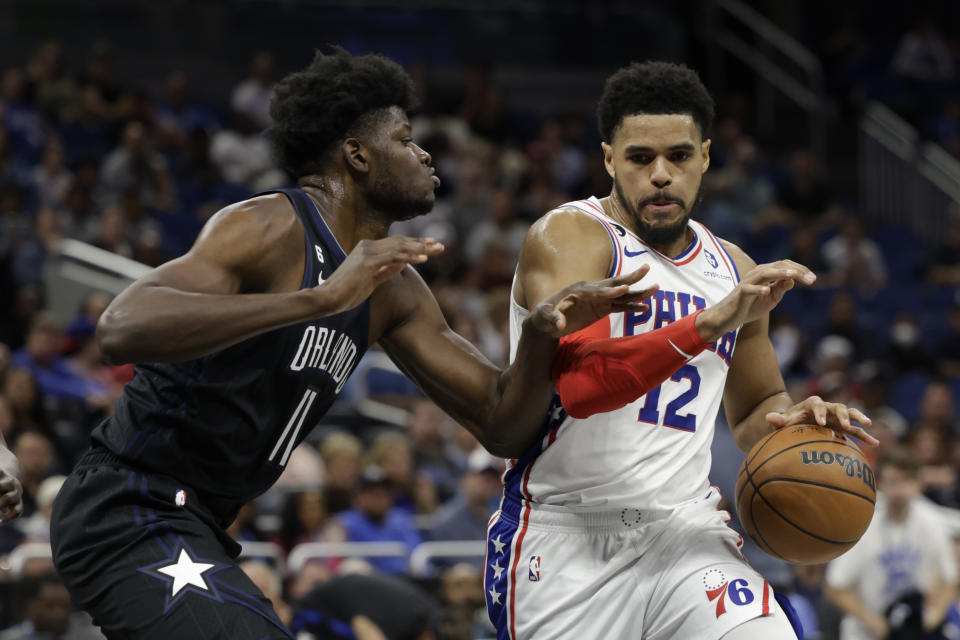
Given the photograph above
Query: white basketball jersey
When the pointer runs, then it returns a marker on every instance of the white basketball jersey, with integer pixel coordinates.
(654, 453)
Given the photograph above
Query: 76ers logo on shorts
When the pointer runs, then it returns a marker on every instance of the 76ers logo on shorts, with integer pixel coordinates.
(534, 568)
(736, 591)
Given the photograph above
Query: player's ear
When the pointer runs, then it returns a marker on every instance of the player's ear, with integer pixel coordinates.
(355, 155)
(608, 159)
(705, 153)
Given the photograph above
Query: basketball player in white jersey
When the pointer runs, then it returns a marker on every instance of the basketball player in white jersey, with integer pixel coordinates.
(608, 527)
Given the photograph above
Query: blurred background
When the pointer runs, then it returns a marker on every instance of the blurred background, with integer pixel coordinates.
(124, 125)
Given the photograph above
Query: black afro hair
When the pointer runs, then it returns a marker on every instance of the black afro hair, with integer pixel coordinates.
(653, 88)
(316, 107)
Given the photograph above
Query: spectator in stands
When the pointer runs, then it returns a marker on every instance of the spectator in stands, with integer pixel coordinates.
(243, 155)
(53, 373)
(430, 430)
(466, 516)
(134, 164)
(854, 260)
(50, 615)
(78, 216)
(905, 551)
(55, 90)
(178, 115)
(905, 353)
(30, 257)
(805, 192)
(20, 392)
(270, 583)
(923, 53)
(412, 492)
(112, 233)
(35, 454)
(244, 527)
(366, 607)
(20, 116)
(341, 453)
(303, 519)
(833, 374)
(500, 222)
(36, 528)
(938, 477)
(16, 223)
(461, 592)
(252, 96)
(52, 179)
(938, 410)
(374, 519)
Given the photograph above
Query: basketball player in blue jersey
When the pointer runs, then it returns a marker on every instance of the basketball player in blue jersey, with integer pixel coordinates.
(608, 527)
(243, 344)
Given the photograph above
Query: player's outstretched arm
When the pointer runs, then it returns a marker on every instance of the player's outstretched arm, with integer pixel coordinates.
(755, 397)
(237, 281)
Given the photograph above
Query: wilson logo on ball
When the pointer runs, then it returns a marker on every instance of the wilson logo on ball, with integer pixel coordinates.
(852, 466)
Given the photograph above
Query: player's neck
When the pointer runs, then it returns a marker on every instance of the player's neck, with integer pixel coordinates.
(347, 214)
(616, 210)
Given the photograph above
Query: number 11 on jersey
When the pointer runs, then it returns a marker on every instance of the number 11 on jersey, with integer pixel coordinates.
(650, 411)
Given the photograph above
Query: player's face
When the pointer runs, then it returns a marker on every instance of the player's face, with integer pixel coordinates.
(657, 163)
(402, 182)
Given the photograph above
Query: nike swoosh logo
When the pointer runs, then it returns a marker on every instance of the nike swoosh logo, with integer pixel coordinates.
(679, 350)
(631, 254)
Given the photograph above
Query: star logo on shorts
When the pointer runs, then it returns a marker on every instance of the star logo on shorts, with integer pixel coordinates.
(185, 573)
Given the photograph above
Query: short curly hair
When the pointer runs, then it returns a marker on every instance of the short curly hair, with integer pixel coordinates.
(653, 87)
(320, 105)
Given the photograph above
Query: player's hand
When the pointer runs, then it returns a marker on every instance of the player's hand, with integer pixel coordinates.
(837, 416)
(369, 264)
(583, 303)
(11, 492)
(759, 291)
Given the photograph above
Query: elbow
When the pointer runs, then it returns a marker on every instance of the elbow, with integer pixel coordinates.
(112, 339)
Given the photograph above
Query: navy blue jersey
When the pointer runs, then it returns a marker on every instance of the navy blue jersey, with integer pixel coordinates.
(225, 424)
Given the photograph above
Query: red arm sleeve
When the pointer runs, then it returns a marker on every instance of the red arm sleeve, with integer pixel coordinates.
(594, 373)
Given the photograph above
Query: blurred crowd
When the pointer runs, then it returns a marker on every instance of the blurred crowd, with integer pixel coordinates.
(137, 170)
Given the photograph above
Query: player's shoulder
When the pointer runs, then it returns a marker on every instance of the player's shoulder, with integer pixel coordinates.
(262, 220)
(563, 225)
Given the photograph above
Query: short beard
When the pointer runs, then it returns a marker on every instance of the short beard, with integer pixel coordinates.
(659, 235)
(387, 196)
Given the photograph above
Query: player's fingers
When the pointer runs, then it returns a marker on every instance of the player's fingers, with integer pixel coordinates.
(776, 420)
(7, 483)
(861, 434)
(804, 274)
(820, 413)
(840, 413)
(630, 278)
(12, 513)
(636, 307)
(755, 289)
(9, 499)
(859, 416)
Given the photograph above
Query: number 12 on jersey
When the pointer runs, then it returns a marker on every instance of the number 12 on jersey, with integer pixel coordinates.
(673, 418)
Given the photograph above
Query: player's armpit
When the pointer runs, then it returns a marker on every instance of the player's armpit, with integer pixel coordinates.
(594, 373)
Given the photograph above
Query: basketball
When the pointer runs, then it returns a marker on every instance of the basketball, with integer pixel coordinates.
(805, 494)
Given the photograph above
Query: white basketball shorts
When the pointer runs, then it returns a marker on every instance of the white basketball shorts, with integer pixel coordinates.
(553, 573)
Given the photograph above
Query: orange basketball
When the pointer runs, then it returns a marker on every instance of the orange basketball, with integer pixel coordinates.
(805, 494)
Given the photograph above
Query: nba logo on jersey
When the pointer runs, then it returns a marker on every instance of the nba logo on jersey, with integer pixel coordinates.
(534, 568)
(180, 498)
